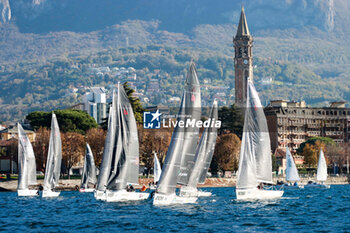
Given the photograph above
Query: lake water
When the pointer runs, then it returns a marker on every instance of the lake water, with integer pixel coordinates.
(299, 210)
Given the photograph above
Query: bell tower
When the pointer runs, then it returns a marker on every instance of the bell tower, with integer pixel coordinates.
(243, 44)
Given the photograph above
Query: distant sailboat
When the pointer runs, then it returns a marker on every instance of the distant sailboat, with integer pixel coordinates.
(181, 152)
(89, 171)
(255, 165)
(204, 155)
(124, 169)
(53, 161)
(26, 165)
(321, 173)
(291, 172)
(157, 170)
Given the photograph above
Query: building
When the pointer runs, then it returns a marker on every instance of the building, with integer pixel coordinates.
(12, 132)
(243, 44)
(95, 103)
(292, 123)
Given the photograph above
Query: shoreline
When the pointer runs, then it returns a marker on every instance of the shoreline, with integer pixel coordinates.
(70, 185)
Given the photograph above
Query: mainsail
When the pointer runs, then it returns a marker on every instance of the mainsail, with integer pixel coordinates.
(89, 172)
(125, 160)
(192, 112)
(205, 150)
(157, 170)
(291, 170)
(108, 150)
(255, 163)
(321, 167)
(171, 166)
(54, 157)
(26, 161)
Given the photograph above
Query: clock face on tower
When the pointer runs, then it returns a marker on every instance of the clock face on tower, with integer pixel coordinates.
(245, 61)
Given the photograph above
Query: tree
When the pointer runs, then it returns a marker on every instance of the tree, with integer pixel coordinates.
(135, 103)
(231, 120)
(96, 139)
(337, 155)
(153, 141)
(326, 141)
(73, 149)
(69, 120)
(226, 154)
(41, 147)
(310, 155)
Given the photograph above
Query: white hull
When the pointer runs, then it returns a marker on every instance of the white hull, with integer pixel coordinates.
(123, 195)
(320, 186)
(258, 194)
(161, 199)
(27, 193)
(190, 192)
(50, 193)
(100, 195)
(292, 187)
(86, 190)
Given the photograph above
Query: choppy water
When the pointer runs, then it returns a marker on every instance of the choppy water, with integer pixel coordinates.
(306, 210)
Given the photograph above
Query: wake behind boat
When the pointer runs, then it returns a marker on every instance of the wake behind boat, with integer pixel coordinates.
(53, 161)
(321, 174)
(26, 165)
(255, 165)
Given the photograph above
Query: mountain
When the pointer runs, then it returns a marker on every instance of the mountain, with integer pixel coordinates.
(301, 44)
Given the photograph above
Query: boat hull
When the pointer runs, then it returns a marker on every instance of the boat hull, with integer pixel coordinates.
(123, 195)
(86, 190)
(319, 186)
(50, 193)
(100, 195)
(27, 193)
(258, 194)
(161, 199)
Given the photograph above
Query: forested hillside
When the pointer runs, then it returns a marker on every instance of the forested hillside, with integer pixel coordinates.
(48, 48)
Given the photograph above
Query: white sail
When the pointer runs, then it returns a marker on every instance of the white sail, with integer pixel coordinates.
(291, 170)
(109, 146)
(26, 161)
(89, 170)
(125, 160)
(205, 151)
(255, 163)
(321, 167)
(157, 170)
(54, 157)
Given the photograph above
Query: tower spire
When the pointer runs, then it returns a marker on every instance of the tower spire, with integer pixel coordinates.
(243, 29)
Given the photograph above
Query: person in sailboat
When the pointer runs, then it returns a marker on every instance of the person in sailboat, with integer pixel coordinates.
(40, 188)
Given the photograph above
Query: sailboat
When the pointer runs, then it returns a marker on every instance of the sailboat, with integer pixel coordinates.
(53, 161)
(181, 152)
(124, 167)
(26, 165)
(255, 165)
(321, 173)
(89, 171)
(291, 172)
(204, 155)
